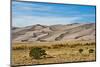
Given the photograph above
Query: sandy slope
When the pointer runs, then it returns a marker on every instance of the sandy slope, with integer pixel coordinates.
(75, 31)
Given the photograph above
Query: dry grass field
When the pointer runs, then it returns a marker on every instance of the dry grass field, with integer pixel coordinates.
(57, 52)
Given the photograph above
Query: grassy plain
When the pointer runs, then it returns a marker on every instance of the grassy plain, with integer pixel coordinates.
(57, 52)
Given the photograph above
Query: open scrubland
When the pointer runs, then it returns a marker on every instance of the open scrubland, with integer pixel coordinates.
(57, 52)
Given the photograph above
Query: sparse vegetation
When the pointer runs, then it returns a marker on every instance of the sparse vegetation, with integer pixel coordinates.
(19, 48)
(41, 53)
(92, 43)
(56, 46)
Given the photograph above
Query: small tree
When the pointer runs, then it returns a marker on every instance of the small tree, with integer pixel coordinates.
(80, 50)
(37, 53)
(91, 50)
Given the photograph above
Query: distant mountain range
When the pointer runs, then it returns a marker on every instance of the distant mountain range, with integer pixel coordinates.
(43, 33)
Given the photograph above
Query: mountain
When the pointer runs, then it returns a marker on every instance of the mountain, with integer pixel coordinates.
(43, 33)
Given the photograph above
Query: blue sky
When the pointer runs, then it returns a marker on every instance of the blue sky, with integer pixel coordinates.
(30, 13)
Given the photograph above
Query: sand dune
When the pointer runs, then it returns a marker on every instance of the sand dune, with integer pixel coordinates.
(74, 31)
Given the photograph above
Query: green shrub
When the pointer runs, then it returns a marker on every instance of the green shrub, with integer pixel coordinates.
(37, 53)
(91, 51)
(80, 50)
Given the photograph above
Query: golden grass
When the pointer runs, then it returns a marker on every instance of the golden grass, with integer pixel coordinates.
(57, 52)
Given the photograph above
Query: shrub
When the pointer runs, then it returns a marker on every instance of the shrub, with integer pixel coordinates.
(80, 50)
(37, 53)
(91, 50)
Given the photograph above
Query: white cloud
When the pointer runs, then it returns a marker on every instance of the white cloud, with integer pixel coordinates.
(45, 20)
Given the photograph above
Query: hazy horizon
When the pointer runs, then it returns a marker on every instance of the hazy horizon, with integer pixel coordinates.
(31, 13)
